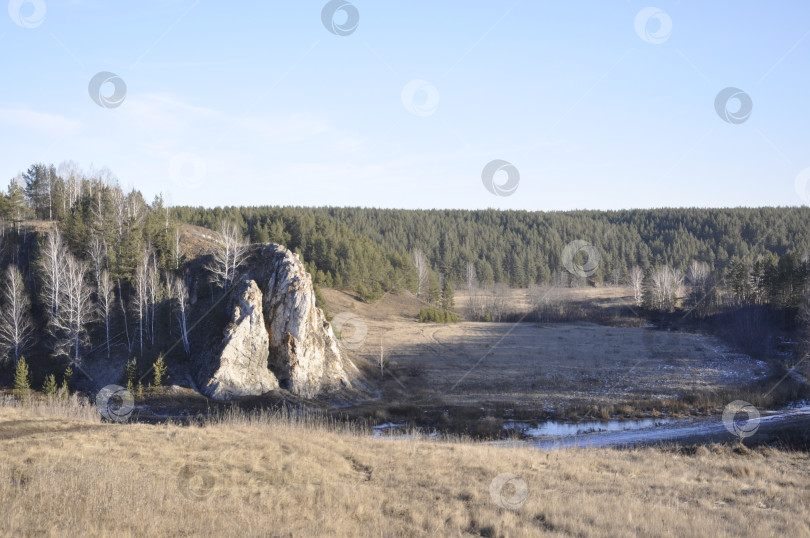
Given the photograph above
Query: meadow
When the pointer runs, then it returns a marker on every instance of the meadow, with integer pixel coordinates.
(66, 473)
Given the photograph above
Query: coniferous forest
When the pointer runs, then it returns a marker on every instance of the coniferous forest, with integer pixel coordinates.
(370, 250)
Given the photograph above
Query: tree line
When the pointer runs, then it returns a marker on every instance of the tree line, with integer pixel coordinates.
(374, 250)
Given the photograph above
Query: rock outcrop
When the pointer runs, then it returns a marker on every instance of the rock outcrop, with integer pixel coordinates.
(304, 351)
(275, 335)
(238, 367)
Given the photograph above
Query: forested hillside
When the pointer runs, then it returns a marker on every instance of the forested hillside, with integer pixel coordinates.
(518, 248)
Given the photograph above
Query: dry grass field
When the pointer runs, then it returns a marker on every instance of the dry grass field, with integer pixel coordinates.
(557, 369)
(65, 473)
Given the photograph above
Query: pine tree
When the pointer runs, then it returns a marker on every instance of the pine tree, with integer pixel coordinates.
(49, 388)
(159, 368)
(16, 207)
(22, 382)
(262, 234)
(131, 374)
(67, 379)
(448, 298)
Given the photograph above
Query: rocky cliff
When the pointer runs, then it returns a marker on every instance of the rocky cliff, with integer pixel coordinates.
(238, 367)
(275, 335)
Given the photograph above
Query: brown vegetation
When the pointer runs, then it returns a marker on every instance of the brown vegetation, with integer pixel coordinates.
(271, 476)
(556, 370)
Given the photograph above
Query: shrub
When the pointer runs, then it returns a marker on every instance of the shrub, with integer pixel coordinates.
(372, 295)
(433, 315)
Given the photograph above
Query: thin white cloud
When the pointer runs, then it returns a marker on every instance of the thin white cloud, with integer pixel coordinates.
(164, 114)
(40, 122)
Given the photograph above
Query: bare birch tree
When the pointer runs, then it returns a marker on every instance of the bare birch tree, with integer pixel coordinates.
(52, 270)
(636, 280)
(119, 209)
(382, 360)
(70, 172)
(106, 299)
(98, 256)
(76, 308)
(229, 255)
(665, 285)
(471, 277)
(16, 326)
(177, 249)
(140, 296)
(181, 300)
(153, 288)
(422, 272)
(699, 278)
(124, 313)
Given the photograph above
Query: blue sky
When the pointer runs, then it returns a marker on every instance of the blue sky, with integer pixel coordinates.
(252, 103)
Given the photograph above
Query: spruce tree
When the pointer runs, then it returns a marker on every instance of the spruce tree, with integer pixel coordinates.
(22, 382)
(131, 375)
(67, 378)
(159, 368)
(49, 388)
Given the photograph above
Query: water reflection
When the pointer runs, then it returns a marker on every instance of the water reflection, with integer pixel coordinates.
(559, 429)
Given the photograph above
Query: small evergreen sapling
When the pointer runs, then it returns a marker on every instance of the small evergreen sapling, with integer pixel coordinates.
(159, 368)
(22, 382)
(131, 375)
(67, 379)
(49, 388)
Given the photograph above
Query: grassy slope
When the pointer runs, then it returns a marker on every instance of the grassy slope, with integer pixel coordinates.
(63, 472)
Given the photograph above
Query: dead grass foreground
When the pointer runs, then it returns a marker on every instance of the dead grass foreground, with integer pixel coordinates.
(61, 474)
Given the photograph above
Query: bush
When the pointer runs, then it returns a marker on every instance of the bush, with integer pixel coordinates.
(433, 315)
(372, 295)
